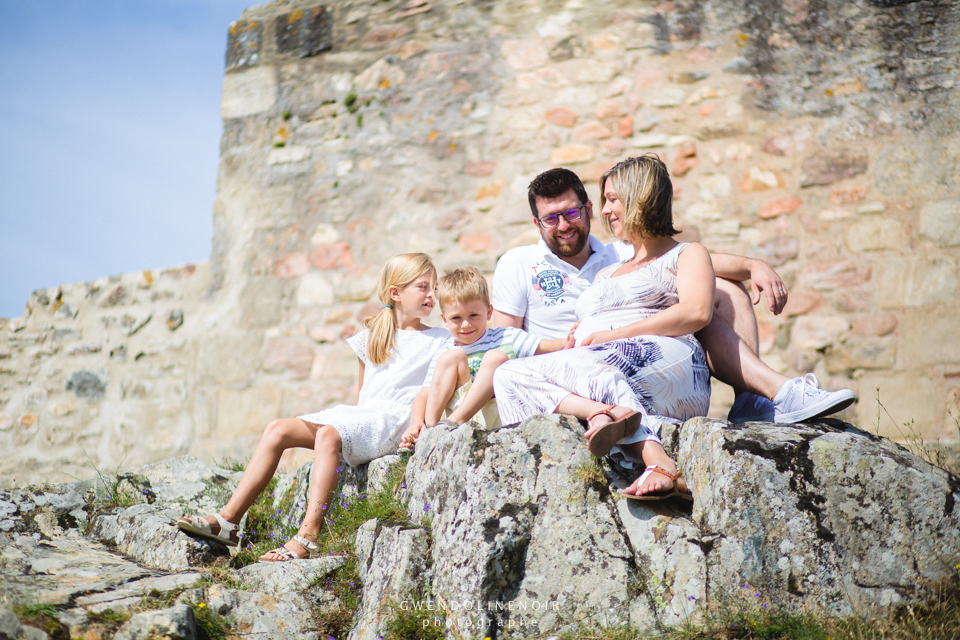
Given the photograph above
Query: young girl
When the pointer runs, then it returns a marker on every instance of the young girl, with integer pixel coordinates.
(394, 351)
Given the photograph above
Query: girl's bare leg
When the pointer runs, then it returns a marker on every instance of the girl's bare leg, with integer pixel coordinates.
(450, 374)
(650, 451)
(323, 484)
(481, 391)
(279, 436)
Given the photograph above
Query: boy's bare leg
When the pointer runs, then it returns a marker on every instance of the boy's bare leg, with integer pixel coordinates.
(450, 374)
(323, 484)
(650, 451)
(279, 436)
(481, 391)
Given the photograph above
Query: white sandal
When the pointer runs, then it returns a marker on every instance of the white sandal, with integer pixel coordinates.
(313, 551)
(198, 525)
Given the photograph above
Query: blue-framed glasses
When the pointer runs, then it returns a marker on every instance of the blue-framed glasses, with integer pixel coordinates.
(570, 215)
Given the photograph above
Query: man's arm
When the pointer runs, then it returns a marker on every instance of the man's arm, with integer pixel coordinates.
(762, 277)
(501, 319)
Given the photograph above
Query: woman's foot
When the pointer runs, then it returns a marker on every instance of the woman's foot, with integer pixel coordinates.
(657, 483)
(212, 527)
(608, 426)
(299, 547)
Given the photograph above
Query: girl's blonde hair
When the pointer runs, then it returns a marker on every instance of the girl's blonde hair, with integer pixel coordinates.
(400, 270)
(643, 186)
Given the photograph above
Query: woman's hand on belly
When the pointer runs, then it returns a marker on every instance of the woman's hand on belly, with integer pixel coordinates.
(599, 337)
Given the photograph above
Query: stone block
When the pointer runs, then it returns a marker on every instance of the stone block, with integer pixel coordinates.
(592, 131)
(817, 332)
(380, 75)
(243, 43)
(879, 324)
(291, 265)
(524, 53)
(803, 302)
(572, 154)
(940, 223)
(561, 116)
(248, 92)
(332, 256)
(315, 291)
(914, 281)
(779, 207)
(260, 303)
(905, 396)
(777, 250)
(830, 275)
(226, 358)
(757, 179)
(875, 234)
(827, 168)
(359, 283)
(918, 168)
(862, 353)
(242, 412)
(930, 337)
(305, 32)
(288, 354)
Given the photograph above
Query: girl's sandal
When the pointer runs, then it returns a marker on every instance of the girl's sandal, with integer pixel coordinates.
(313, 551)
(199, 526)
(674, 492)
(605, 437)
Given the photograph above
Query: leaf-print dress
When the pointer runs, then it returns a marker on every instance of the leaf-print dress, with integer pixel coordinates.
(656, 375)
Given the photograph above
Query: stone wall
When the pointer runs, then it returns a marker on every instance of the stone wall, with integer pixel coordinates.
(818, 135)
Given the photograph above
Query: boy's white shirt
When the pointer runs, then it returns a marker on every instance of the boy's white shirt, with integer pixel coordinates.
(520, 345)
(531, 282)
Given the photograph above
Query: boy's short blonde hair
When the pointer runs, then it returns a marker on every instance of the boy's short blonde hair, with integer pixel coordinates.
(462, 285)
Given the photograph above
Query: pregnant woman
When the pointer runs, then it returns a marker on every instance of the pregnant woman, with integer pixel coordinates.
(637, 359)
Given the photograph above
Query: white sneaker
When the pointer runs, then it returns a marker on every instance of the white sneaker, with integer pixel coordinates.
(802, 399)
(749, 407)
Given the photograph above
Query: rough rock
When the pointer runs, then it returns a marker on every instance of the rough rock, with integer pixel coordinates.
(175, 623)
(281, 577)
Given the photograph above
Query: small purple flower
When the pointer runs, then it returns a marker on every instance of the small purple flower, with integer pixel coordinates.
(403, 485)
(338, 471)
(426, 508)
(324, 507)
(764, 605)
(691, 598)
(756, 595)
(744, 610)
(350, 583)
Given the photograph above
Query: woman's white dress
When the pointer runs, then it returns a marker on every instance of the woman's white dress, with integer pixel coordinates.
(656, 375)
(373, 427)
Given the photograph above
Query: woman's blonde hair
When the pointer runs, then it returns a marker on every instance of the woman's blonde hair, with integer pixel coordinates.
(643, 186)
(400, 270)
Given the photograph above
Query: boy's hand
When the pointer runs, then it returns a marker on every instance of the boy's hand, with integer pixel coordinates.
(571, 342)
(410, 436)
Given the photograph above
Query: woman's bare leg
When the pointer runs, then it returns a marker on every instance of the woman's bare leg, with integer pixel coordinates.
(481, 391)
(450, 374)
(650, 451)
(734, 305)
(323, 484)
(731, 361)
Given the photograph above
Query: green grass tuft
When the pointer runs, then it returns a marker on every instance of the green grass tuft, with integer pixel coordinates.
(43, 617)
(414, 624)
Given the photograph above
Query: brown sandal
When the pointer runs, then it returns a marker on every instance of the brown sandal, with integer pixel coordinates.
(675, 492)
(609, 434)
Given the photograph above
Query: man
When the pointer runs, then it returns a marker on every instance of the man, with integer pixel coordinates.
(536, 288)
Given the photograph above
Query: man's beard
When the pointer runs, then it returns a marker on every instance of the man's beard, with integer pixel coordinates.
(569, 248)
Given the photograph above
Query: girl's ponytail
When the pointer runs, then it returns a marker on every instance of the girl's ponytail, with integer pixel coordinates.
(400, 270)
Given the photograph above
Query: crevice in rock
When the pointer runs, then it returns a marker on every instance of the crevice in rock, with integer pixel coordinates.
(793, 460)
(505, 568)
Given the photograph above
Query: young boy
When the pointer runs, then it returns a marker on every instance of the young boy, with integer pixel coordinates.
(461, 376)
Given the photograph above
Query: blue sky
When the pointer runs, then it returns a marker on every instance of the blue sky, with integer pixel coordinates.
(109, 137)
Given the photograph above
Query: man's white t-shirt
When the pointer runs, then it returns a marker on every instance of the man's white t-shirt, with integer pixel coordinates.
(533, 283)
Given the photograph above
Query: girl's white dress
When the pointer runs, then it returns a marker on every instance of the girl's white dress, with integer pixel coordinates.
(656, 375)
(373, 427)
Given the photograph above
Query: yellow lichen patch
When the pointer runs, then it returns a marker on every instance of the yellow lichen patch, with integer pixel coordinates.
(742, 39)
(294, 16)
(385, 83)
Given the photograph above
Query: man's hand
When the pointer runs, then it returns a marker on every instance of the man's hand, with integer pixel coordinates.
(598, 337)
(764, 278)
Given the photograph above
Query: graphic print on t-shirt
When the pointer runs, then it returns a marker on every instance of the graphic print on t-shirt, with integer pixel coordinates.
(550, 282)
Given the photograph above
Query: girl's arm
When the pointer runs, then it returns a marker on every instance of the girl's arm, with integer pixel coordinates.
(696, 286)
(360, 381)
(409, 437)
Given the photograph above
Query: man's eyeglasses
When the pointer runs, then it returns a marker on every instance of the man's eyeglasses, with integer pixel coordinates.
(569, 215)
